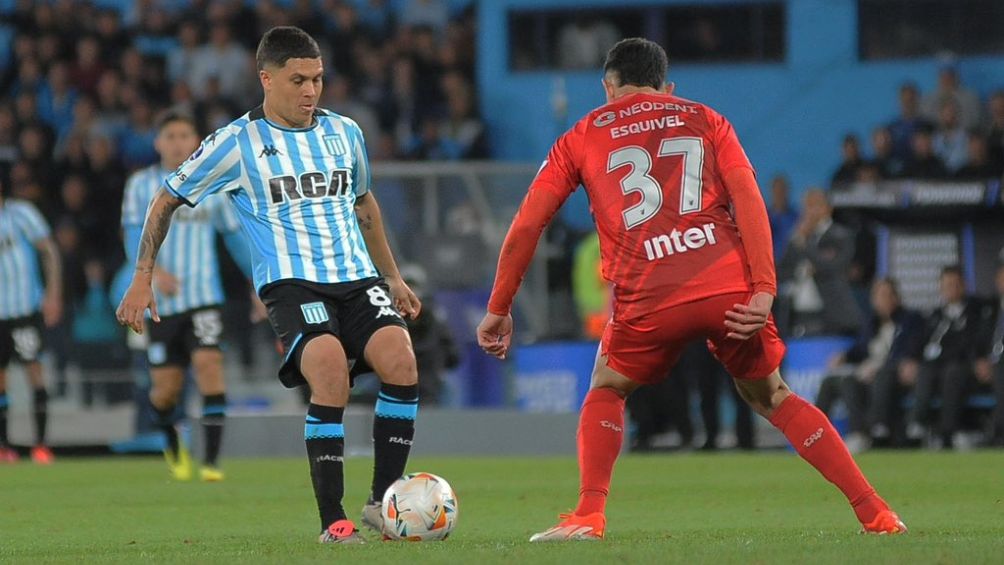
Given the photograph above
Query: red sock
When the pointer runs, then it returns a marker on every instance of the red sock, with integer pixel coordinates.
(601, 430)
(815, 439)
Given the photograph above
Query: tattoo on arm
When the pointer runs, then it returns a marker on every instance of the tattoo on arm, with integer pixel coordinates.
(158, 222)
(366, 222)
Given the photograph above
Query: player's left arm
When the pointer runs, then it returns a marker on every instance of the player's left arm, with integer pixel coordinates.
(745, 320)
(371, 225)
(139, 297)
(37, 231)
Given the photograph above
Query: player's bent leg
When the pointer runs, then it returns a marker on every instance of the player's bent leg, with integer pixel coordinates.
(165, 390)
(599, 438)
(814, 438)
(389, 352)
(40, 452)
(207, 363)
(323, 364)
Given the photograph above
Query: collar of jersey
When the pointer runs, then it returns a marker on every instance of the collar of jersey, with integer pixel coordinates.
(277, 126)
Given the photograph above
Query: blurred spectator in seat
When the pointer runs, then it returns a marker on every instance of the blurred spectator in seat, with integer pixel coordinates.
(35, 150)
(847, 172)
(950, 140)
(814, 272)
(154, 38)
(8, 139)
(995, 133)
(429, 13)
(584, 42)
(867, 377)
(908, 121)
(224, 60)
(343, 32)
(946, 356)
(136, 142)
(113, 39)
(337, 97)
(29, 77)
(87, 70)
(950, 89)
(782, 216)
(56, 99)
(989, 366)
(377, 17)
(978, 167)
(182, 56)
(701, 369)
(462, 132)
(890, 166)
(111, 117)
(925, 164)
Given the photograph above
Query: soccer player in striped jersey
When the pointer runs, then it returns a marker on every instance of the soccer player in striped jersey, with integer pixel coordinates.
(299, 179)
(26, 307)
(189, 292)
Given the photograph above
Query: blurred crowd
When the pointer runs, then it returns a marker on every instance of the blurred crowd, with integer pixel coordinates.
(82, 84)
(945, 134)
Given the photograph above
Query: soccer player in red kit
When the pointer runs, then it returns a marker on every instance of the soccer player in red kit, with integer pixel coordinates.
(686, 243)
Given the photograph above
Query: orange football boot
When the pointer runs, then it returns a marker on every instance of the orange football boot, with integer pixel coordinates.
(574, 528)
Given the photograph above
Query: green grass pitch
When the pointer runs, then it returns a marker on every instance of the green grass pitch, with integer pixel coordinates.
(724, 508)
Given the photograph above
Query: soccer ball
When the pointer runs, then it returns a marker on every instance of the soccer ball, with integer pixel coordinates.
(419, 507)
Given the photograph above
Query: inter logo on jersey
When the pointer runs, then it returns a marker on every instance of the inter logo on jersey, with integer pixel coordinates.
(314, 313)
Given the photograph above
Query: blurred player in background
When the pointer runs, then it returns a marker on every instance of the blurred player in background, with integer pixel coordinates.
(299, 179)
(186, 280)
(26, 308)
(685, 239)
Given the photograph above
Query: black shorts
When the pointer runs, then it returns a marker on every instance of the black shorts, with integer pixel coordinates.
(21, 339)
(353, 311)
(173, 340)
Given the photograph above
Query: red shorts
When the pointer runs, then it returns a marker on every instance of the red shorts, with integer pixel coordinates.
(645, 349)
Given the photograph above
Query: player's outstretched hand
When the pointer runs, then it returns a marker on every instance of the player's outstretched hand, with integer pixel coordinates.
(133, 307)
(495, 334)
(406, 302)
(745, 320)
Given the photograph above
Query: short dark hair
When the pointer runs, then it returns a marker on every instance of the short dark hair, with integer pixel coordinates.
(638, 62)
(170, 116)
(952, 270)
(282, 43)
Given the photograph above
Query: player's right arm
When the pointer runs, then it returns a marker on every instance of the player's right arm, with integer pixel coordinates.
(557, 179)
(214, 167)
(139, 297)
(745, 320)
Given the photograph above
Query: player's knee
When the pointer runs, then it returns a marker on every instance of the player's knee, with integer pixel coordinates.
(763, 395)
(399, 369)
(324, 366)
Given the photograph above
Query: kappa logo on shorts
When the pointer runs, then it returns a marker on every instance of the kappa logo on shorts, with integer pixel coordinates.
(314, 313)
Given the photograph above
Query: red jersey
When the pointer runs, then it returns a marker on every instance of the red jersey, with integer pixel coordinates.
(653, 167)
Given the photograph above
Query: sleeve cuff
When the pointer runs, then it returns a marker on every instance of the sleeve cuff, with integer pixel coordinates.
(178, 195)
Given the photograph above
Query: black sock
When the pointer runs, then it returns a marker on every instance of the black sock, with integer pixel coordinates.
(41, 412)
(214, 412)
(393, 432)
(166, 423)
(325, 438)
(3, 418)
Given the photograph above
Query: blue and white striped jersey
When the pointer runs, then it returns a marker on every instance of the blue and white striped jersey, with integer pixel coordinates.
(189, 251)
(21, 289)
(294, 191)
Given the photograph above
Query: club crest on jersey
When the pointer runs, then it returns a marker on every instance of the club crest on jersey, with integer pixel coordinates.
(335, 145)
(314, 313)
(314, 184)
